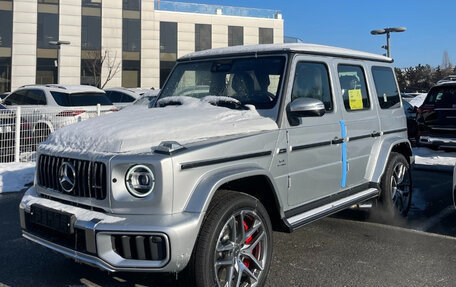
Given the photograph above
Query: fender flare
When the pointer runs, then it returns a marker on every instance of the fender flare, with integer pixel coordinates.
(385, 148)
(210, 182)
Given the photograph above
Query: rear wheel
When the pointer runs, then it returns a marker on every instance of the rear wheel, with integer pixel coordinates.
(234, 247)
(396, 188)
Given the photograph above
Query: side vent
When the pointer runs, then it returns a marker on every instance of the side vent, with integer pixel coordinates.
(139, 247)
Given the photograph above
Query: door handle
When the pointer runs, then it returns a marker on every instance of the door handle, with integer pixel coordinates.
(376, 134)
(337, 140)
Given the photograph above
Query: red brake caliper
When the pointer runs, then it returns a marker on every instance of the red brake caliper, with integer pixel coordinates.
(246, 260)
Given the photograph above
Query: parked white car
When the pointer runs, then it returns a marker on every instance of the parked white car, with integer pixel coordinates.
(122, 97)
(50, 107)
(146, 100)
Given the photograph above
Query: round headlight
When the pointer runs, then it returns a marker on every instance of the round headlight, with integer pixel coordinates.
(140, 180)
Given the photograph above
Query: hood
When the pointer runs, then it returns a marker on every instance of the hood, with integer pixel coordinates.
(143, 129)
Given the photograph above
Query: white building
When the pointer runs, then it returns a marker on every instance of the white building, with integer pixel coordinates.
(142, 37)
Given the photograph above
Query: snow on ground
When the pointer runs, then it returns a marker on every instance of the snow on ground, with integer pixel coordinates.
(427, 156)
(14, 176)
(418, 100)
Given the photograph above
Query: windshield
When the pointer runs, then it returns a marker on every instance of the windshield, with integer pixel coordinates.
(442, 97)
(251, 81)
(81, 99)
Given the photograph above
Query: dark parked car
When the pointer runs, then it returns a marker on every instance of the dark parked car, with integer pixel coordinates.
(436, 118)
(410, 113)
(7, 134)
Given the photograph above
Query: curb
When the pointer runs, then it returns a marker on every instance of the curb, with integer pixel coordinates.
(438, 168)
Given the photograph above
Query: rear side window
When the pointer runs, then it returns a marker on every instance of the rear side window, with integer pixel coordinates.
(441, 97)
(81, 99)
(385, 85)
(119, 97)
(312, 81)
(354, 88)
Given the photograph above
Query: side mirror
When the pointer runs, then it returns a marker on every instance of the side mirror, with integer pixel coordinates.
(304, 107)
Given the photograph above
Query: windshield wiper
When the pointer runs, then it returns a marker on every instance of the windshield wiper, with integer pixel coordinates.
(225, 102)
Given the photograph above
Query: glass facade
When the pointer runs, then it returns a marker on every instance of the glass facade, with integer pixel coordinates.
(235, 35)
(266, 36)
(203, 37)
(6, 36)
(91, 43)
(168, 49)
(131, 44)
(48, 30)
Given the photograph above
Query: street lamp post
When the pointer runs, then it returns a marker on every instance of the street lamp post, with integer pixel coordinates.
(387, 31)
(58, 44)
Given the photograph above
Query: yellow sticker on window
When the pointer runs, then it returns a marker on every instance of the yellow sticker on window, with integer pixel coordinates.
(355, 99)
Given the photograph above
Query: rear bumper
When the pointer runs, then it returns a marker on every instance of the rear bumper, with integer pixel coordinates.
(94, 239)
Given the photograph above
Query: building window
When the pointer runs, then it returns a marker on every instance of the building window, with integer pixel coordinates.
(48, 30)
(266, 36)
(91, 43)
(168, 49)
(131, 44)
(203, 37)
(235, 35)
(6, 36)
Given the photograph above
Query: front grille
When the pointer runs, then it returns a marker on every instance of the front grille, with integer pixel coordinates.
(140, 247)
(90, 180)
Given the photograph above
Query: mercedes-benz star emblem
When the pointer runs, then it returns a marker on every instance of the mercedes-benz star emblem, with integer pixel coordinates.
(67, 176)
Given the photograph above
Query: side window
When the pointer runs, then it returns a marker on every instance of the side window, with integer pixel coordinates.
(115, 97)
(34, 97)
(127, 99)
(312, 81)
(354, 87)
(15, 98)
(385, 85)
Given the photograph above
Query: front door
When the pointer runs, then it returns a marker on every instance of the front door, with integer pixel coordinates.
(314, 146)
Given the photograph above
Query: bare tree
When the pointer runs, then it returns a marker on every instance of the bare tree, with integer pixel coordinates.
(446, 64)
(94, 62)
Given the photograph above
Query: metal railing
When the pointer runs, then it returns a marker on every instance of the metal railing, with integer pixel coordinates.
(23, 129)
(216, 10)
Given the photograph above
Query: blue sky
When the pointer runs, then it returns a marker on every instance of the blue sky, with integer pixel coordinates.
(431, 25)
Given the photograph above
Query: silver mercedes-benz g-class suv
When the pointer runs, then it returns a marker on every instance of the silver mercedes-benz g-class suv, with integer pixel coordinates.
(241, 141)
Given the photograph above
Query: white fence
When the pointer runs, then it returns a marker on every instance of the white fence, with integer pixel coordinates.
(22, 129)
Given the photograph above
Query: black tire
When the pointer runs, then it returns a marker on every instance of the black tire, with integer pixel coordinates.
(223, 209)
(396, 194)
(41, 134)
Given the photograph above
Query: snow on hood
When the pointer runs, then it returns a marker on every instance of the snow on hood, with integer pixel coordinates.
(139, 129)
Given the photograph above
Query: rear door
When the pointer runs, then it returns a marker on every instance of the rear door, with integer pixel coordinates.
(359, 114)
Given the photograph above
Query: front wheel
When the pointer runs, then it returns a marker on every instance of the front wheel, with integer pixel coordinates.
(396, 188)
(234, 247)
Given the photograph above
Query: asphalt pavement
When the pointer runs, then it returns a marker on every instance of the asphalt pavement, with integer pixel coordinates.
(350, 249)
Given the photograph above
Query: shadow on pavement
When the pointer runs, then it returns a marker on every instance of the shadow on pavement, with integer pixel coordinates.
(432, 207)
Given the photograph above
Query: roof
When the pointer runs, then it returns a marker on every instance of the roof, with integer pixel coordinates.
(67, 88)
(291, 47)
(446, 84)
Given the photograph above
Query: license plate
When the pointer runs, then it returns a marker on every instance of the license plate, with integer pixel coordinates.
(60, 221)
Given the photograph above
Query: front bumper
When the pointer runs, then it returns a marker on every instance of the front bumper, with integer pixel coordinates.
(93, 240)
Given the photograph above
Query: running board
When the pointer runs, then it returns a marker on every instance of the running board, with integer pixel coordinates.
(302, 219)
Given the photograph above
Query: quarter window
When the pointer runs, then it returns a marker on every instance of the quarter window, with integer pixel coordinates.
(312, 81)
(385, 85)
(354, 88)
